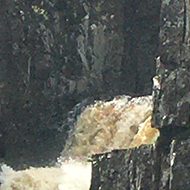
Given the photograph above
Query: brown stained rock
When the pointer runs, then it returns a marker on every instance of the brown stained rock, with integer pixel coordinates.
(145, 135)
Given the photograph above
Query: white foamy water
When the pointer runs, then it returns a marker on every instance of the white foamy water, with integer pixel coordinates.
(77, 175)
(104, 126)
(72, 175)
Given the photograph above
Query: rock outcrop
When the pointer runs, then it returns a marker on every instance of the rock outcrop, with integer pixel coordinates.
(55, 54)
(106, 125)
(145, 167)
(165, 165)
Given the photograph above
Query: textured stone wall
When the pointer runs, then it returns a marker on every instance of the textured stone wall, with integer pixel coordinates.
(172, 100)
(55, 54)
(146, 167)
(164, 165)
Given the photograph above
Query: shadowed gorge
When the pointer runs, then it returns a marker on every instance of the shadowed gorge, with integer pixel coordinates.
(106, 125)
(56, 54)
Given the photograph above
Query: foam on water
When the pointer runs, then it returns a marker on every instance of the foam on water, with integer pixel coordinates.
(72, 175)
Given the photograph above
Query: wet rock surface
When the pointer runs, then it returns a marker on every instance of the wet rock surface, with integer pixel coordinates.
(172, 100)
(123, 169)
(146, 167)
(55, 54)
(165, 165)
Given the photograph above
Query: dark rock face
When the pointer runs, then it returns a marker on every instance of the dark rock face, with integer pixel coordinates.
(123, 169)
(55, 54)
(172, 103)
(165, 165)
(143, 168)
(141, 42)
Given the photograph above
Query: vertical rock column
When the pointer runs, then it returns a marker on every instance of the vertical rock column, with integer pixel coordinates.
(165, 165)
(171, 114)
(172, 96)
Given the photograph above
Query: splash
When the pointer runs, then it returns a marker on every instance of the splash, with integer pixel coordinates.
(123, 122)
(72, 175)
